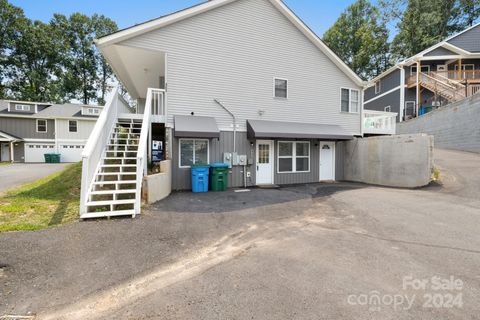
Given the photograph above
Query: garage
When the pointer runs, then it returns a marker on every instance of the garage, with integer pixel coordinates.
(70, 152)
(34, 151)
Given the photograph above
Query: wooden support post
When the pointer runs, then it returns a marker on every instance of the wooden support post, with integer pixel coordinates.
(12, 157)
(460, 78)
(418, 89)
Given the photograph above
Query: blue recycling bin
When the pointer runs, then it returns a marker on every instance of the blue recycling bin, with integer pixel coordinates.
(200, 177)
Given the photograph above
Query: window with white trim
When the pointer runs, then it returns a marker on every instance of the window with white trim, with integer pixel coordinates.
(41, 125)
(378, 87)
(350, 100)
(424, 69)
(72, 126)
(22, 107)
(293, 156)
(193, 151)
(281, 88)
(388, 109)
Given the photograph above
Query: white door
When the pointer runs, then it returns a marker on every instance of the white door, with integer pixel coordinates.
(70, 152)
(5, 154)
(327, 161)
(34, 152)
(264, 162)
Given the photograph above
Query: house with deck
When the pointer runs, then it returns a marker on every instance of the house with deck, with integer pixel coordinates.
(28, 130)
(241, 82)
(444, 73)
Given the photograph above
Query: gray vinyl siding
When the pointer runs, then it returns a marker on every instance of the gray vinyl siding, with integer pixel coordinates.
(440, 51)
(26, 128)
(392, 99)
(233, 53)
(469, 40)
(390, 81)
(182, 176)
(300, 177)
(84, 128)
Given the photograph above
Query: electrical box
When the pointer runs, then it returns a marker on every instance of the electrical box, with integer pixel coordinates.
(242, 160)
(235, 159)
(228, 159)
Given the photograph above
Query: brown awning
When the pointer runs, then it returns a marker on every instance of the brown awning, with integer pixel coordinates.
(259, 129)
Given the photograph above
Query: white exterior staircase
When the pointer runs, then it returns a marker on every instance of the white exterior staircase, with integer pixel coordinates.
(115, 157)
(113, 191)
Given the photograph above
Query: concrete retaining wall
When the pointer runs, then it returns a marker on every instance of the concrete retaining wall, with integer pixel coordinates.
(404, 161)
(453, 127)
(157, 187)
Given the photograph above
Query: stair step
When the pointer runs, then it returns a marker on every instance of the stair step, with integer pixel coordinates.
(116, 174)
(114, 213)
(107, 192)
(110, 202)
(121, 145)
(119, 165)
(115, 182)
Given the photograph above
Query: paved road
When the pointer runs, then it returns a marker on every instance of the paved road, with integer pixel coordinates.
(306, 252)
(20, 173)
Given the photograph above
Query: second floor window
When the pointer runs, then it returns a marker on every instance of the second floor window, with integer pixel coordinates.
(41, 125)
(350, 100)
(378, 87)
(281, 88)
(72, 126)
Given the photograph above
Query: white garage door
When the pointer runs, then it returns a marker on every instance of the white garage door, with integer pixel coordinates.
(34, 151)
(71, 152)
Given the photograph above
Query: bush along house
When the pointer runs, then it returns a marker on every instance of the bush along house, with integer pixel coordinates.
(444, 73)
(241, 82)
(28, 130)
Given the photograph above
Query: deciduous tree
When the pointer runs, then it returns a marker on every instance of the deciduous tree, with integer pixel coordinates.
(360, 38)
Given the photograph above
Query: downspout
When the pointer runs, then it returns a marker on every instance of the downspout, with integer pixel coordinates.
(234, 139)
(234, 124)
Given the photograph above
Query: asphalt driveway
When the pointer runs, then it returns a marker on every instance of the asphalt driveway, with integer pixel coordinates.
(321, 251)
(17, 174)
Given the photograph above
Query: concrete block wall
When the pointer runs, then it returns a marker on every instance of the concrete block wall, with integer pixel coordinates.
(404, 161)
(456, 126)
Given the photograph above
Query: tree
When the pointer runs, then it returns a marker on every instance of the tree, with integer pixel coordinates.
(360, 38)
(423, 23)
(10, 19)
(102, 27)
(87, 73)
(34, 65)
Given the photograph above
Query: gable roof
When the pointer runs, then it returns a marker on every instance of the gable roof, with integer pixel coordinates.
(163, 21)
(445, 44)
(8, 136)
(67, 110)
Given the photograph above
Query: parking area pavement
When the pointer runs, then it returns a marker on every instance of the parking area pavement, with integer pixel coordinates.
(319, 251)
(16, 174)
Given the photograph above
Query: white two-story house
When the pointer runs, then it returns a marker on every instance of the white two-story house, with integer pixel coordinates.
(243, 82)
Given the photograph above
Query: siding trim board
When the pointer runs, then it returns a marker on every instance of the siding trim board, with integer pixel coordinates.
(384, 94)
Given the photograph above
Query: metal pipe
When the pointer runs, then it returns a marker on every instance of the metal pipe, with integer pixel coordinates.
(234, 124)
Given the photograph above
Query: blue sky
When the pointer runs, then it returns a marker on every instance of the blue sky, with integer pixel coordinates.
(318, 14)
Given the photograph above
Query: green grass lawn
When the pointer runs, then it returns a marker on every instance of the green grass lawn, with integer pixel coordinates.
(48, 202)
(5, 163)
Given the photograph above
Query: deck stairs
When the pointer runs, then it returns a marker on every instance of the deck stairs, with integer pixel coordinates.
(446, 88)
(113, 190)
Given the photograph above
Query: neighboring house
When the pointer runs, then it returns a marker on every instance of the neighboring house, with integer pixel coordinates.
(446, 72)
(28, 130)
(243, 82)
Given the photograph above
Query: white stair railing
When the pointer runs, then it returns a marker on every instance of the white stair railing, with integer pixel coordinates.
(142, 156)
(379, 122)
(94, 148)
